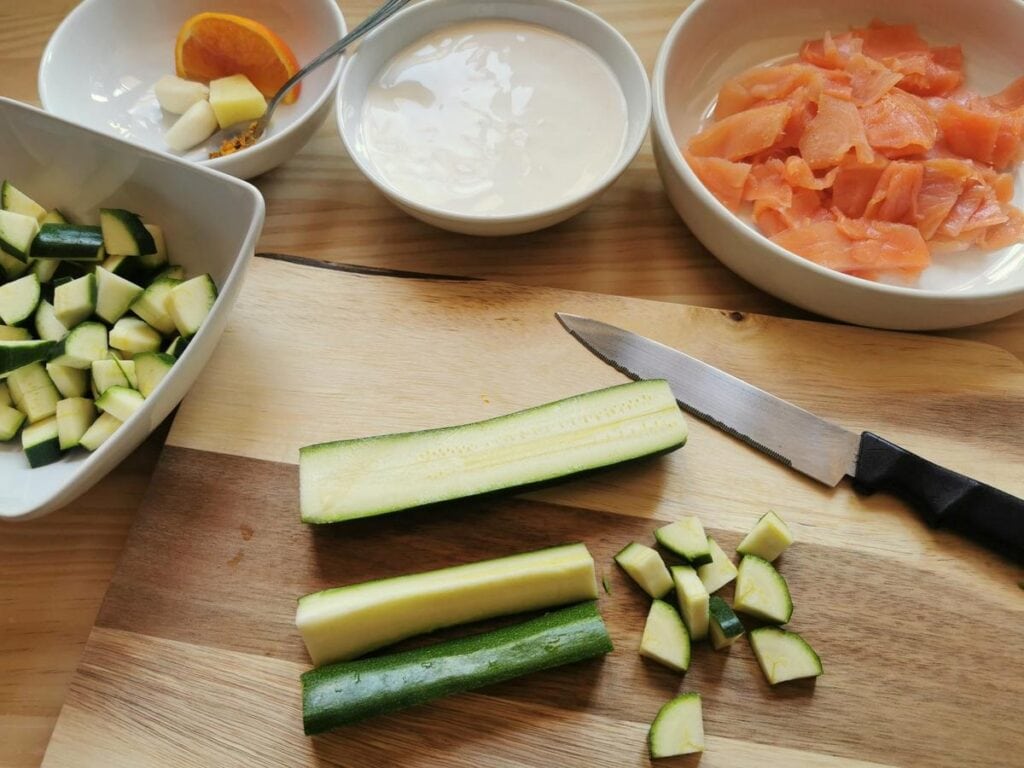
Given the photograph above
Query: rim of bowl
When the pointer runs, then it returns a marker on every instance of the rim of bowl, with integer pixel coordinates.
(217, 163)
(627, 155)
(663, 130)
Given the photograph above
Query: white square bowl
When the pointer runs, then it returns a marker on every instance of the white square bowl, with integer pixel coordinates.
(211, 222)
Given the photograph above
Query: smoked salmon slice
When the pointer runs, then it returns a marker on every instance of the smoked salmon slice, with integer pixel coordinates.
(865, 153)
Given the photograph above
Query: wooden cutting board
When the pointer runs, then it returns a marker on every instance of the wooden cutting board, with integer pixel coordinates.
(194, 659)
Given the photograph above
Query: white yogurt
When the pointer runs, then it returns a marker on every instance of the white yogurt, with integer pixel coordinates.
(494, 117)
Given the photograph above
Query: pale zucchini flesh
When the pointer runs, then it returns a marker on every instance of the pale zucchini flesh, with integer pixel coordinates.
(14, 200)
(189, 303)
(47, 324)
(768, 539)
(70, 382)
(83, 346)
(373, 476)
(100, 431)
(150, 370)
(346, 622)
(645, 566)
(686, 538)
(693, 600)
(33, 392)
(151, 306)
(74, 417)
(784, 655)
(761, 591)
(75, 301)
(10, 333)
(19, 299)
(114, 295)
(132, 335)
(678, 728)
(665, 639)
(719, 572)
(120, 402)
(17, 232)
(11, 420)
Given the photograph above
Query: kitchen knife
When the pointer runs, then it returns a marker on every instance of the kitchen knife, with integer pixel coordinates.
(807, 443)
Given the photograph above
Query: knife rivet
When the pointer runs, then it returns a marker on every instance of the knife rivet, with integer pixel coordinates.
(736, 316)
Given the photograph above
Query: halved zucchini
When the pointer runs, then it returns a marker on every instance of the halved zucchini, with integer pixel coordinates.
(114, 295)
(32, 392)
(189, 303)
(150, 368)
(15, 354)
(693, 600)
(784, 655)
(74, 417)
(17, 232)
(725, 625)
(82, 346)
(719, 572)
(120, 402)
(665, 639)
(373, 476)
(19, 299)
(41, 443)
(346, 622)
(762, 591)
(645, 566)
(124, 234)
(686, 538)
(768, 539)
(68, 242)
(678, 728)
(75, 301)
(132, 335)
(100, 431)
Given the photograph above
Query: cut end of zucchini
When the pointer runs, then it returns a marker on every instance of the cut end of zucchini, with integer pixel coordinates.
(784, 655)
(679, 727)
(665, 639)
(762, 591)
(686, 538)
(693, 600)
(719, 572)
(372, 476)
(645, 566)
(725, 625)
(768, 539)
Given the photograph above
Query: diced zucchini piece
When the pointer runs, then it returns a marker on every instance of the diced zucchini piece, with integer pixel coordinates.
(151, 368)
(693, 600)
(646, 568)
(768, 539)
(10, 267)
(10, 333)
(120, 402)
(784, 655)
(158, 258)
(41, 442)
(46, 322)
(100, 431)
(124, 234)
(177, 346)
(761, 591)
(70, 382)
(32, 392)
(14, 200)
(349, 479)
(54, 217)
(68, 242)
(235, 99)
(665, 639)
(354, 690)
(114, 295)
(132, 335)
(176, 95)
(15, 354)
(75, 301)
(107, 374)
(128, 267)
(678, 728)
(19, 299)
(44, 269)
(74, 417)
(686, 538)
(346, 622)
(151, 306)
(11, 420)
(128, 369)
(194, 127)
(719, 572)
(189, 303)
(82, 346)
(17, 232)
(174, 271)
(5, 394)
(725, 625)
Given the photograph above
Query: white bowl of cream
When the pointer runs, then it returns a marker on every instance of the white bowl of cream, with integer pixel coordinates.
(495, 117)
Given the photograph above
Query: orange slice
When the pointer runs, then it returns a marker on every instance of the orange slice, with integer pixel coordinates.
(213, 45)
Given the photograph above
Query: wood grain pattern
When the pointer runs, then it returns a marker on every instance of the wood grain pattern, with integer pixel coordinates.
(630, 243)
(194, 658)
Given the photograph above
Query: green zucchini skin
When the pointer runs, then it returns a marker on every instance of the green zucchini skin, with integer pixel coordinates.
(350, 691)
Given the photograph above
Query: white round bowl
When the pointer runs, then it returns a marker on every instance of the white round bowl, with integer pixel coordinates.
(422, 18)
(714, 40)
(102, 61)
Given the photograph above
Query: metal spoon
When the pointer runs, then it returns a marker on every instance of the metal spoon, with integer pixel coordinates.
(252, 134)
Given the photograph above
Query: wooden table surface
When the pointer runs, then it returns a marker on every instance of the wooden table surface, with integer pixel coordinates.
(54, 571)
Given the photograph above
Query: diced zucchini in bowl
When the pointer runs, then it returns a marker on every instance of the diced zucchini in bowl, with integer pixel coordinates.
(47, 324)
(111, 373)
(100, 431)
(19, 299)
(74, 417)
(75, 300)
(14, 200)
(120, 402)
(41, 442)
(114, 295)
(32, 392)
(151, 306)
(17, 232)
(11, 420)
(150, 369)
(132, 335)
(68, 242)
(5, 394)
(83, 346)
(10, 333)
(44, 269)
(70, 382)
(158, 258)
(124, 234)
(16, 354)
(189, 303)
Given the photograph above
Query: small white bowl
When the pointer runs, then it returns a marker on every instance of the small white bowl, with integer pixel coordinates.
(211, 223)
(716, 39)
(102, 61)
(422, 18)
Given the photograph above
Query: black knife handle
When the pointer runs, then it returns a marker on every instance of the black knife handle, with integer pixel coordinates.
(943, 497)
